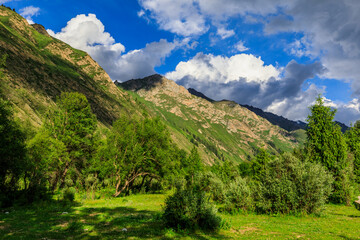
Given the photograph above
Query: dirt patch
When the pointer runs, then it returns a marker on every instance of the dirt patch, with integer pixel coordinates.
(245, 230)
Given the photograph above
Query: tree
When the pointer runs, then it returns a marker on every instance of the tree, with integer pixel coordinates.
(73, 124)
(12, 150)
(326, 145)
(353, 141)
(47, 155)
(192, 164)
(136, 149)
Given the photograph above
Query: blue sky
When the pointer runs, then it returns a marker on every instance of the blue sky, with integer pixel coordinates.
(274, 54)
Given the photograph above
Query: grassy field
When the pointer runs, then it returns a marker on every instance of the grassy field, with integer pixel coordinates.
(140, 216)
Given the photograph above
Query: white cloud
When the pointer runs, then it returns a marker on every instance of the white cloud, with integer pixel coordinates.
(141, 13)
(241, 47)
(245, 79)
(210, 68)
(346, 112)
(5, 1)
(190, 17)
(87, 33)
(180, 17)
(140, 63)
(296, 107)
(224, 33)
(331, 32)
(330, 28)
(29, 12)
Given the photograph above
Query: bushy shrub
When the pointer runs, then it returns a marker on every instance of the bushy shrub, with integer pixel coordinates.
(290, 185)
(238, 196)
(69, 194)
(211, 184)
(189, 208)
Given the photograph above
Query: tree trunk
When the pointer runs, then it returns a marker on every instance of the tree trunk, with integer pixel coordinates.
(62, 183)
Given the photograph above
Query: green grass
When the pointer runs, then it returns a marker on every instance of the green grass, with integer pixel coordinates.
(141, 216)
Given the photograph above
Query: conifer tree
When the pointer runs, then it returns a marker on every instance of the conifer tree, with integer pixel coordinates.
(326, 145)
(353, 141)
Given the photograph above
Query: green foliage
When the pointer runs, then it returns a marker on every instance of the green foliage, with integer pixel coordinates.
(65, 143)
(257, 167)
(326, 145)
(259, 164)
(239, 196)
(47, 155)
(69, 194)
(353, 142)
(192, 164)
(210, 183)
(13, 160)
(189, 208)
(290, 186)
(136, 149)
(227, 171)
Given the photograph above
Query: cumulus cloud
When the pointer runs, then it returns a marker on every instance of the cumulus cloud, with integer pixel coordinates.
(29, 12)
(87, 32)
(346, 112)
(180, 17)
(332, 32)
(245, 79)
(330, 29)
(210, 68)
(140, 63)
(192, 17)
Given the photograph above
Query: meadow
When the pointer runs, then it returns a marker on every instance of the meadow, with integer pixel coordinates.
(139, 217)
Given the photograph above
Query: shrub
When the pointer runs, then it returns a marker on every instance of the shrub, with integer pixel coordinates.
(69, 194)
(238, 196)
(290, 185)
(189, 208)
(211, 184)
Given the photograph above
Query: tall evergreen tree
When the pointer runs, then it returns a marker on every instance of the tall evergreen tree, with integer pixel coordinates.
(353, 141)
(325, 144)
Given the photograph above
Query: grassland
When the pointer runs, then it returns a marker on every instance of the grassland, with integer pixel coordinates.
(140, 215)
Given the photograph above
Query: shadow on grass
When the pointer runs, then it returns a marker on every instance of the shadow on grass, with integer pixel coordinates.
(57, 220)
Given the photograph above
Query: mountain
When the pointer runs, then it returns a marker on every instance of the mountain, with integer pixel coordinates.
(280, 121)
(38, 68)
(221, 129)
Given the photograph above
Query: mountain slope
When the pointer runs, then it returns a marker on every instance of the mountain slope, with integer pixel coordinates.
(38, 68)
(221, 129)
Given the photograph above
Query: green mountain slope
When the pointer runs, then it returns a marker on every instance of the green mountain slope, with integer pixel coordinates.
(39, 67)
(221, 129)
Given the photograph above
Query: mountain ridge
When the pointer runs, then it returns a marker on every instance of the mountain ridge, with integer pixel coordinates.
(287, 124)
(201, 120)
